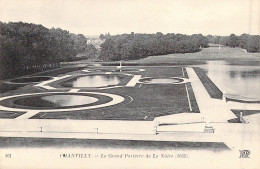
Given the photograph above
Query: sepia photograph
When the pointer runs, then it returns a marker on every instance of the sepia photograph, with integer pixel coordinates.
(129, 84)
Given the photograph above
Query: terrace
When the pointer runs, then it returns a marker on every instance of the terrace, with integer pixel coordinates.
(134, 103)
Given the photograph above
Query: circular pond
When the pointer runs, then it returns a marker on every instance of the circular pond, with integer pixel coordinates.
(55, 101)
(30, 79)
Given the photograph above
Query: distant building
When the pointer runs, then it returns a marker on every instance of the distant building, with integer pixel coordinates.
(89, 51)
(96, 42)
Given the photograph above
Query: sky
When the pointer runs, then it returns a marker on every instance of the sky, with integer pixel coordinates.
(95, 17)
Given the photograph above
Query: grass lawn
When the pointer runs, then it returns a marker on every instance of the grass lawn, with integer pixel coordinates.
(57, 72)
(9, 87)
(4, 87)
(231, 55)
(149, 100)
(10, 114)
(211, 88)
(30, 79)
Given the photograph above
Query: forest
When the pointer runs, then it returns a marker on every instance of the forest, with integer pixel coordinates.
(251, 43)
(28, 48)
(136, 46)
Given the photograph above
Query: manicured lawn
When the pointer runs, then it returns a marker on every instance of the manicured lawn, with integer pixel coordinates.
(142, 102)
(232, 55)
(10, 114)
(59, 71)
(212, 89)
(149, 100)
(4, 87)
(30, 79)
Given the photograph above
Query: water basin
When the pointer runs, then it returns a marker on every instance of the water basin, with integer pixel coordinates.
(93, 81)
(238, 81)
(69, 100)
(56, 100)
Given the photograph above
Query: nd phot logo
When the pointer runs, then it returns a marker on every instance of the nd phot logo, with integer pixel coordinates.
(244, 153)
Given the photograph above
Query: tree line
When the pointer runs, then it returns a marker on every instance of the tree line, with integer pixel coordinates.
(27, 48)
(136, 46)
(245, 41)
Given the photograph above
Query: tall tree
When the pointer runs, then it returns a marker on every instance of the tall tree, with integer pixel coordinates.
(233, 41)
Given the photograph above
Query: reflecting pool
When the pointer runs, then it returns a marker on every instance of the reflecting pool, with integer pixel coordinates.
(95, 81)
(69, 100)
(238, 81)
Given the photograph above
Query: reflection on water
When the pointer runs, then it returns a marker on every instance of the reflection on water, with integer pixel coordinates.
(96, 81)
(162, 81)
(236, 80)
(69, 100)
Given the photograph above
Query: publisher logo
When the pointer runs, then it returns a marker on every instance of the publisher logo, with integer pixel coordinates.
(244, 153)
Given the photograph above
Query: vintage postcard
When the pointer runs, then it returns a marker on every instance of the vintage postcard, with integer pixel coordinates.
(129, 84)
